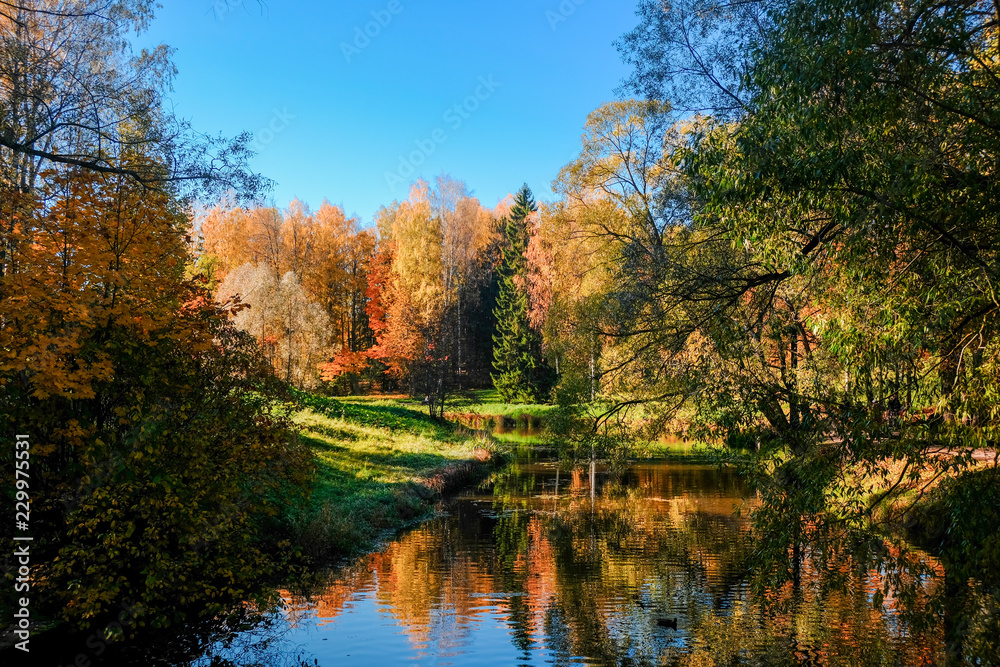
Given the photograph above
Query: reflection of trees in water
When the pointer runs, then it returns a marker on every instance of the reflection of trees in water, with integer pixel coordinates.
(581, 575)
(628, 560)
(247, 637)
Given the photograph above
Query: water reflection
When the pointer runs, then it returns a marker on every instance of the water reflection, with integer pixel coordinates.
(552, 567)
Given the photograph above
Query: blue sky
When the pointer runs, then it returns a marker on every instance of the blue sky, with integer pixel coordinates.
(354, 117)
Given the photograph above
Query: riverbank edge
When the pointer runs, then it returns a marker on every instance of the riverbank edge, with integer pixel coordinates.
(417, 503)
(414, 503)
(379, 470)
(945, 522)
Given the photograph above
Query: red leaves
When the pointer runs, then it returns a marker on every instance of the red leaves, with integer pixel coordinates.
(390, 317)
(346, 362)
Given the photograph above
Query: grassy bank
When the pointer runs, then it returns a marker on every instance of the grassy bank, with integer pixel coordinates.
(380, 465)
(485, 402)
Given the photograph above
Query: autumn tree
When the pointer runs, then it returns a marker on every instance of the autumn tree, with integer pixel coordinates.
(436, 242)
(158, 460)
(232, 236)
(395, 346)
(337, 275)
(569, 274)
(339, 279)
(467, 231)
(293, 330)
(399, 343)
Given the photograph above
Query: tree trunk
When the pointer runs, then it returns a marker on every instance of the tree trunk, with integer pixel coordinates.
(593, 476)
(458, 342)
(593, 363)
(948, 373)
(909, 388)
(441, 390)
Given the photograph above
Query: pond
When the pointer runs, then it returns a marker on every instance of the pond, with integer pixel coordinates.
(549, 566)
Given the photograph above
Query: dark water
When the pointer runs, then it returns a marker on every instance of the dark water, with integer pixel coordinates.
(546, 568)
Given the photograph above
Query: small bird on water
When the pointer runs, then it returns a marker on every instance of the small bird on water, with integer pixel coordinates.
(667, 623)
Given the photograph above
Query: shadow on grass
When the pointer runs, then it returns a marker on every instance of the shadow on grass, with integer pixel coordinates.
(348, 467)
(395, 417)
(377, 472)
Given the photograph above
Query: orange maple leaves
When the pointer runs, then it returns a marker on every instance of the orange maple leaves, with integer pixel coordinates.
(92, 254)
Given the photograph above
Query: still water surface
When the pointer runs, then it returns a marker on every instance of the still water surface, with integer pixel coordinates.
(546, 567)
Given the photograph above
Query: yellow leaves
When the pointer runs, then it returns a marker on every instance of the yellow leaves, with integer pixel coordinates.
(80, 318)
(86, 263)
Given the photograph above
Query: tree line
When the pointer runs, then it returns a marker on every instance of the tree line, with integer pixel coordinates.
(434, 299)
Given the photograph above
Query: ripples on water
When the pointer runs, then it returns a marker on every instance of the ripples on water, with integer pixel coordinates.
(545, 568)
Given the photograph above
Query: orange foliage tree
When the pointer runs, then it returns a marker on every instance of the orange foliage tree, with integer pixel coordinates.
(390, 313)
(327, 253)
(158, 465)
(424, 289)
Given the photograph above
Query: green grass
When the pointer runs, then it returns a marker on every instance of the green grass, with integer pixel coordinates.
(487, 402)
(372, 461)
(479, 401)
(377, 457)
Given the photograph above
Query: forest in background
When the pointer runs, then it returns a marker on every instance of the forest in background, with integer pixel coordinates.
(786, 243)
(434, 300)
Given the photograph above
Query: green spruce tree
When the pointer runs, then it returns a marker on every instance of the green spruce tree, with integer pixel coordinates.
(520, 372)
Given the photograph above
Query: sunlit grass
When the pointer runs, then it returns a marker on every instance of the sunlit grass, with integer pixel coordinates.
(479, 401)
(354, 454)
(371, 460)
